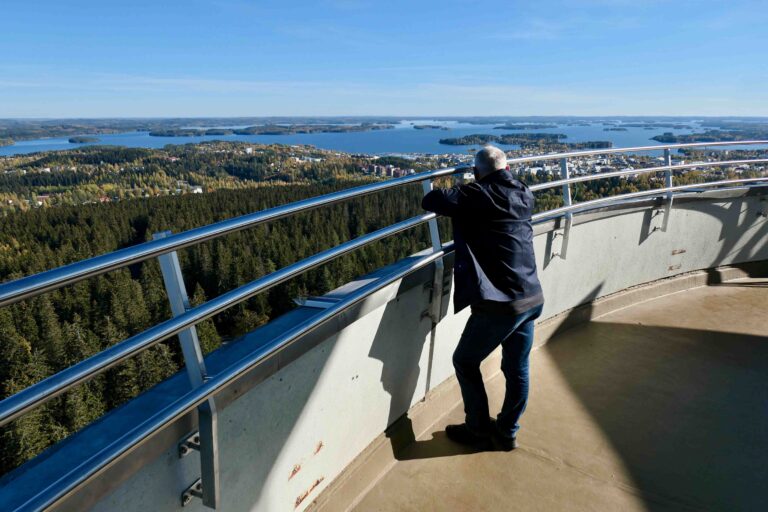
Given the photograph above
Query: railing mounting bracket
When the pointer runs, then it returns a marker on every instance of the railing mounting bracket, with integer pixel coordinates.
(189, 443)
(316, 302)
(193, 491)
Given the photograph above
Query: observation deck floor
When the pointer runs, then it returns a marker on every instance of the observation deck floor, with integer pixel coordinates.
(659, 406)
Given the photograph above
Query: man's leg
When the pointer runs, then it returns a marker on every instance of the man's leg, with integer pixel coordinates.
(516, 349)
(482, 334)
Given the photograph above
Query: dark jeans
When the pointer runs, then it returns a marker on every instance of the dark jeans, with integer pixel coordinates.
(483, 333)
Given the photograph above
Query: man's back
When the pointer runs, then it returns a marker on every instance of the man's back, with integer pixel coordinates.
(494, 241)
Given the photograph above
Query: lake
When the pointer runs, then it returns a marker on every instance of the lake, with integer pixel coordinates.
(402, 139)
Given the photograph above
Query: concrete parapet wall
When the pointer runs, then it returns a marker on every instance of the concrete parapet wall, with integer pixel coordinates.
(290, 428)
(608, 254)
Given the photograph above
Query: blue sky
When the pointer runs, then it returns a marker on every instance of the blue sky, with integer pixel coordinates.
(158, 58)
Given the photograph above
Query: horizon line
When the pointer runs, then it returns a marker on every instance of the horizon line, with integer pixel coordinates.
(382, 116)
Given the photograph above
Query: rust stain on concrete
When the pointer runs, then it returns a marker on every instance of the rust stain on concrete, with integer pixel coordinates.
(304, 495)
(319, 447)
(678, 251)
(295, 470)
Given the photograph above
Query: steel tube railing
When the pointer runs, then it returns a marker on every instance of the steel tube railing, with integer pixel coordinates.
(100, 461)
(30, 286)
(646, 170)
(636, 149)
(15, 405)
(39, 393)
(585, 205)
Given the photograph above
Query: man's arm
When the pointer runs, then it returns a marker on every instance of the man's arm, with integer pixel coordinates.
(442, 201)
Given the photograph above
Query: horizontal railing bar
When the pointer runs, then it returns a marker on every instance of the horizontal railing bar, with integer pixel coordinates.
(26, 287)
(613, 174)
(30, 286)
(102, 460)
(610, 151)
(634, 195)
(37, 394)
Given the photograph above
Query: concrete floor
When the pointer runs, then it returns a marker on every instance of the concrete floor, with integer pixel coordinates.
(661, 406)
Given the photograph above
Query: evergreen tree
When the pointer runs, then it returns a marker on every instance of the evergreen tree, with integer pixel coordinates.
(85, 402)
(206, 330)
(121, 382)
(49, 338)
(20, 368)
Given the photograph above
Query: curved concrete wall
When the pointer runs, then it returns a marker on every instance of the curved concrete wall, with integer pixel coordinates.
(605, 255)
(287, 431)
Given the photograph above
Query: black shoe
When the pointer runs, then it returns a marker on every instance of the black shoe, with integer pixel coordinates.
(463, 435)
(503, 441)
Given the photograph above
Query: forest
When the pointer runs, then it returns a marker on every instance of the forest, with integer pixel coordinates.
(106, 174)
(43, 335)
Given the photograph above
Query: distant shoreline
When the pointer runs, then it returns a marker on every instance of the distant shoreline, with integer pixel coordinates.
(273, 129)
(362, 138)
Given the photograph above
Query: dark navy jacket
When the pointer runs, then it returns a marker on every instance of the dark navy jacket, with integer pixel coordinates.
(495, 268)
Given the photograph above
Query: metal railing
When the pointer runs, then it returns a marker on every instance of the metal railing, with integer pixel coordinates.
(205, 387)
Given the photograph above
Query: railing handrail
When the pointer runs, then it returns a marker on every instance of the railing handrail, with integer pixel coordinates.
(636, 149)
(30, 286)
(28, 398)
(101, 460)
(643, 170)
(587, 205)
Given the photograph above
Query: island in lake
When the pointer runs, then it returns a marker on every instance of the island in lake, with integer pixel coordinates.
(527, 140)
(617, 129)
(571, 146)
(469, 140)
(429, 127)
(525, 126)
(271, 129)
(713, 136)
(507, 138)
(82, 140)
(674, 126)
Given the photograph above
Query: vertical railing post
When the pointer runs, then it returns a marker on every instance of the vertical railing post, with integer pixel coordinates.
(565, 174)
(667, 184)
(206, 440)
(436, 300)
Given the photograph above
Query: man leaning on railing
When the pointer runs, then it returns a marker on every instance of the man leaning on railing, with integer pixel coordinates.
(495, 274)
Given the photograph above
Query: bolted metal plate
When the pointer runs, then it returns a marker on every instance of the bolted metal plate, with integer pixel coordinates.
(189, 443)
(193, 491)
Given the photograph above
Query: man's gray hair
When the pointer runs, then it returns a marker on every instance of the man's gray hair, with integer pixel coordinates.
(490, 159)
